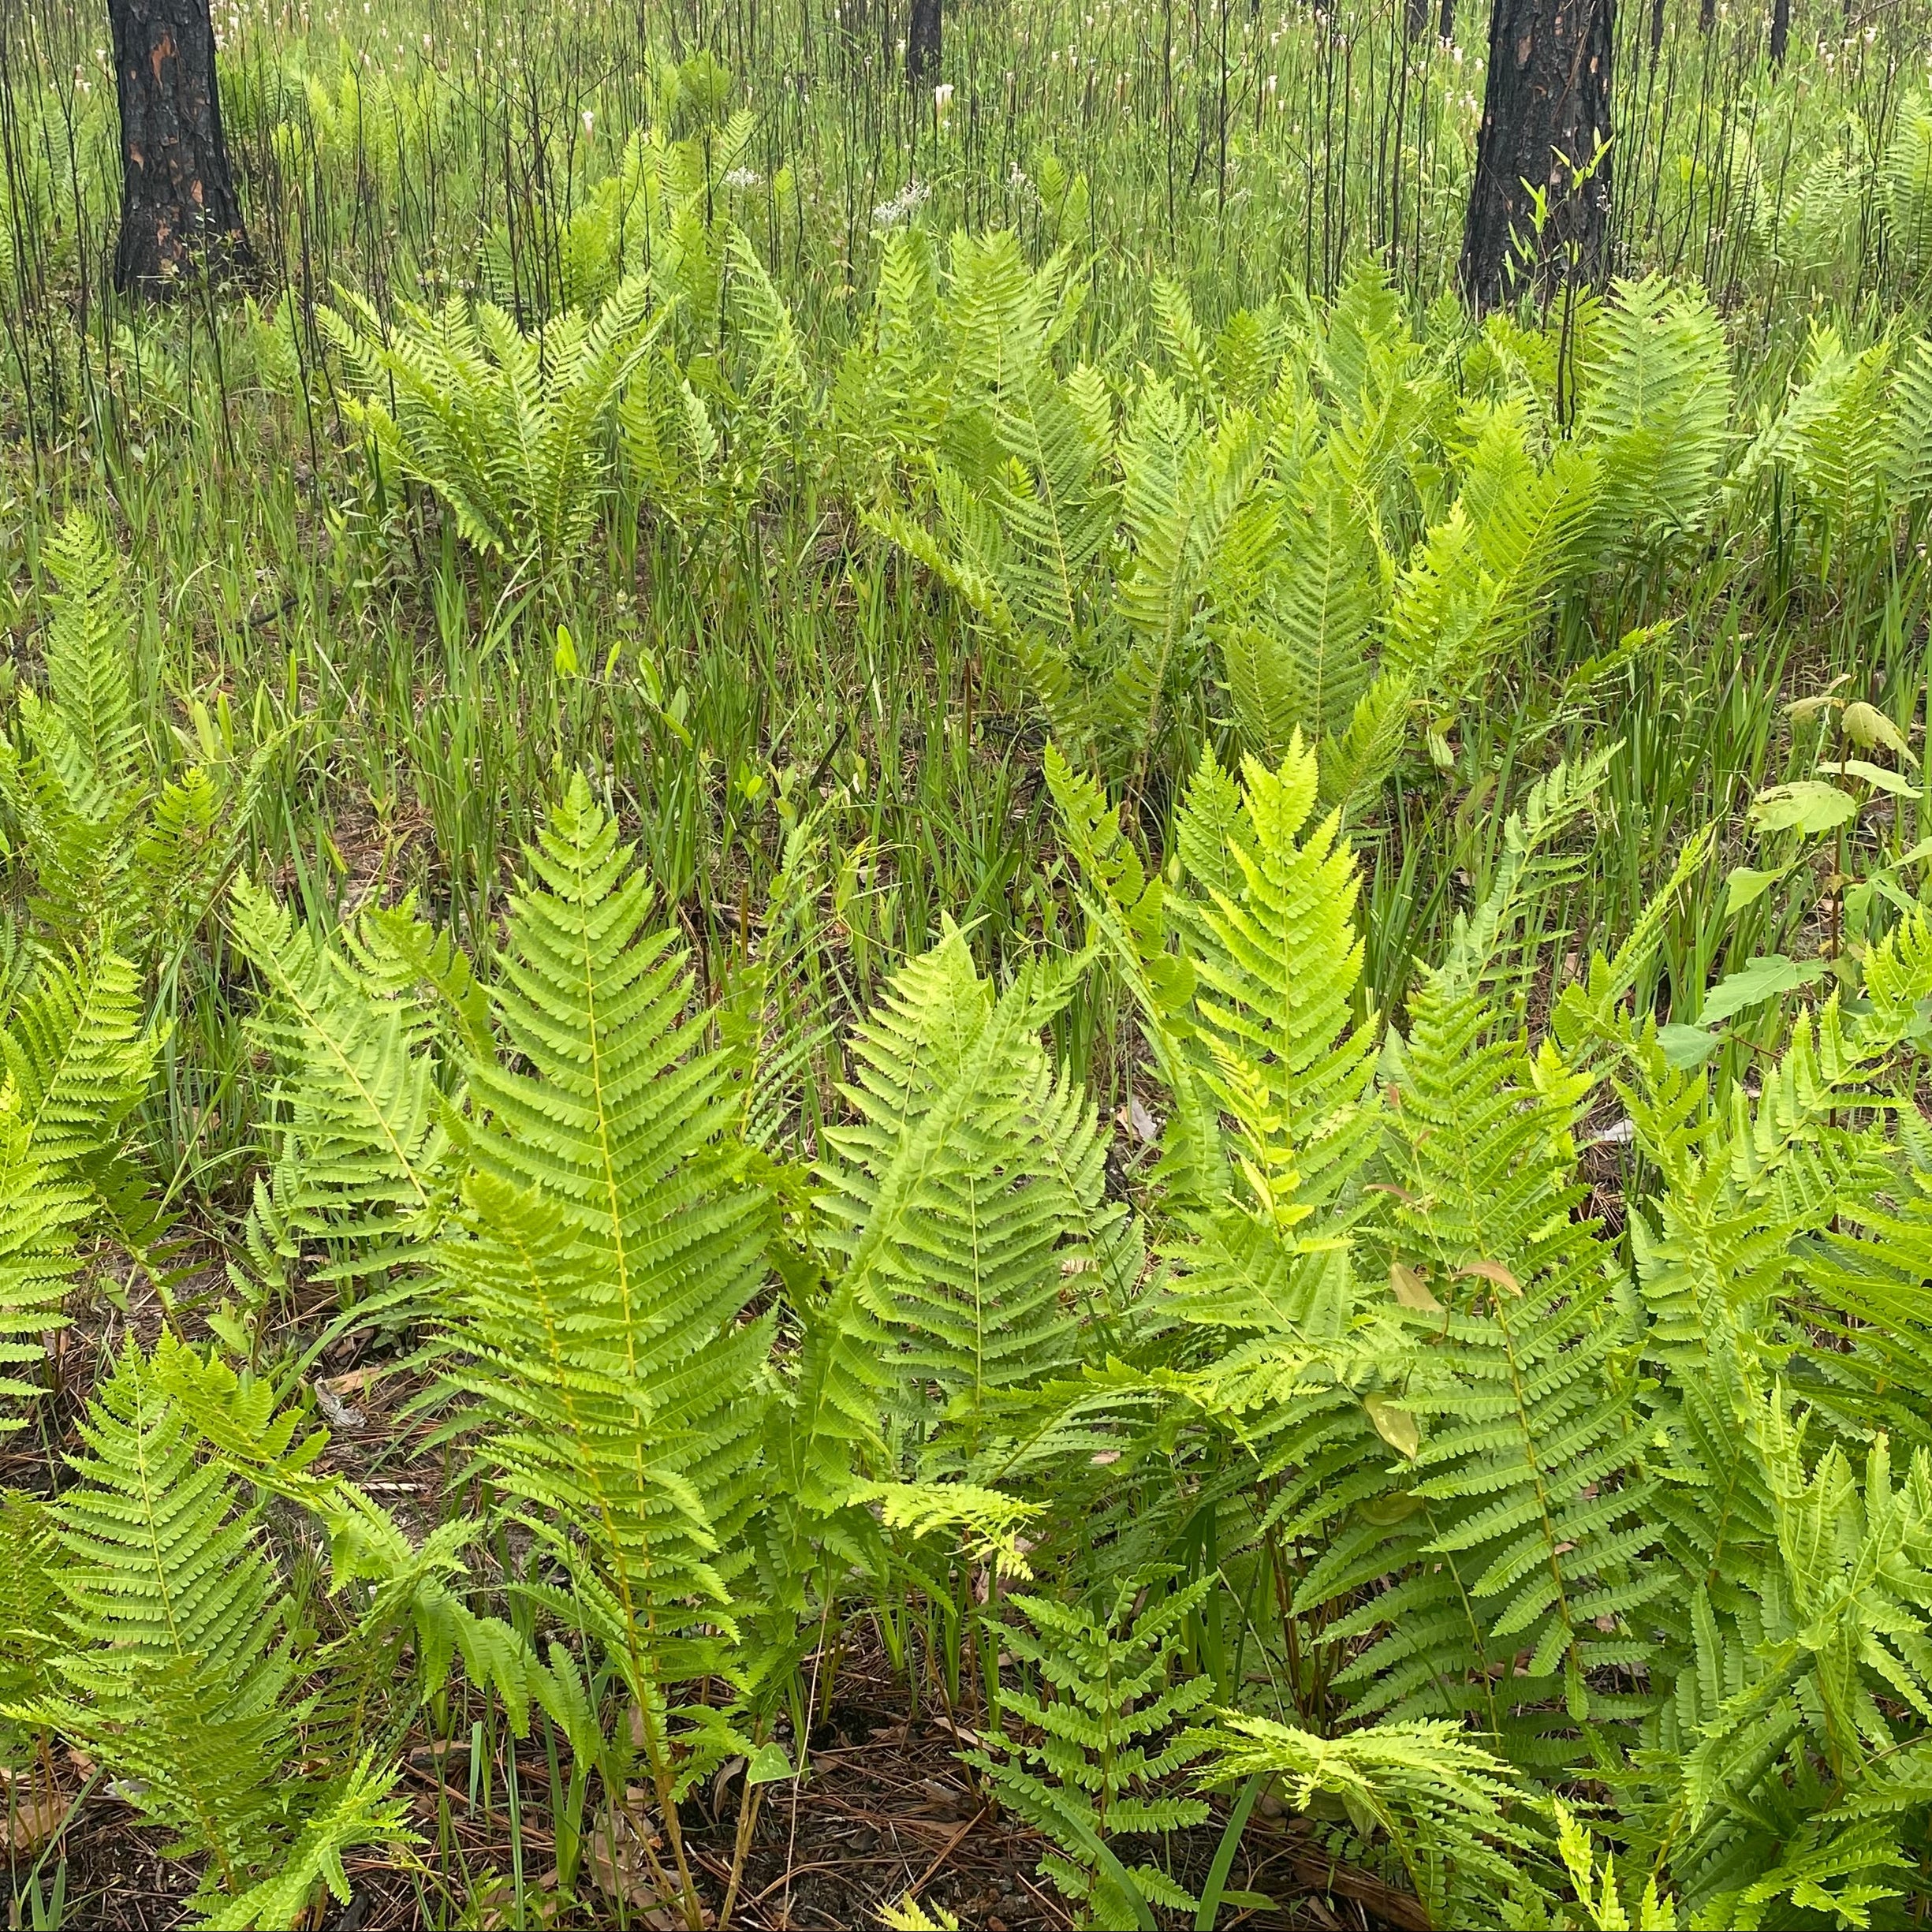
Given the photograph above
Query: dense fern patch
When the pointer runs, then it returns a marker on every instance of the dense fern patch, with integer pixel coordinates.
(904, 1016)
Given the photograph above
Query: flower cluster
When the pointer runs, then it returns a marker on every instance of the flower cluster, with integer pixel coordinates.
(903, 205)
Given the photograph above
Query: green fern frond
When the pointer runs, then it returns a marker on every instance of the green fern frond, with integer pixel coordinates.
(966, 1196)
(597, 1275)
(1110, 1716)
(506, 429)
(29, 1615)
(75, 789)
(1443, 1801)
(1908, 445)
(40, 1210)
(176, 1661)
(1656, 407)
(90, 668)
(1298, 662)
(362, 1155)
(358, 1810)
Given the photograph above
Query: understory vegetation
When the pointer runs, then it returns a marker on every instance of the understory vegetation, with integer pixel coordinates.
(808, 883)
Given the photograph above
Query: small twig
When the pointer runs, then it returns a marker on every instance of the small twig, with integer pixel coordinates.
(946, 1852)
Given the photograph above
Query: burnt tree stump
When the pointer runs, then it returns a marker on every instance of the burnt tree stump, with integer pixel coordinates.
(1546, 114)
(179, 212)
(923, 41)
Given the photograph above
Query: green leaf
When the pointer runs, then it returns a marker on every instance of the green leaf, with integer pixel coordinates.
(1876, 777)
(1748, 885)
(1755, 982)
(1686, 1047)
(1808, 806)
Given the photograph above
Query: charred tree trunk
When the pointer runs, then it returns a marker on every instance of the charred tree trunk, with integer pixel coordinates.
(1781, 31)
(1546, 118)
(1706, 15)
(923, 41)
(1657, 30)
(178, 209)
(1445, 25)
(1415, 18)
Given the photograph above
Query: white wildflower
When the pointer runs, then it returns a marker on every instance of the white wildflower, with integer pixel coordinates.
(903, 205)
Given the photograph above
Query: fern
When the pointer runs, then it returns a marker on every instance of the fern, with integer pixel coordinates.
(117, 852)
(78, 1060)
(1905, 175)
(1441, 1801)
(28, 1600)
(1823, 440)
(507, 430)
(965, 1257)
(1908, 450)
(176, 1663)
(362, 1167)
(1299, 662)
(75, 792)
(1529, 1482)
(1106, 1714)
(39, 1212)
(1656, 407)
(596, 1276)
(1485, 574)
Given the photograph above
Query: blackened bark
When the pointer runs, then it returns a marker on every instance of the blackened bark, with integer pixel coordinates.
(1546, 114)
(1657, 30)
(1781, 31)
(1447, 25)
(1415, 18)
(1706, 15)
(178, 207)
(921, 43)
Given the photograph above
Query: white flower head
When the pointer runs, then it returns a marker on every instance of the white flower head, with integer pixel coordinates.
(903, 205)
(942, 98)
(742, 178)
